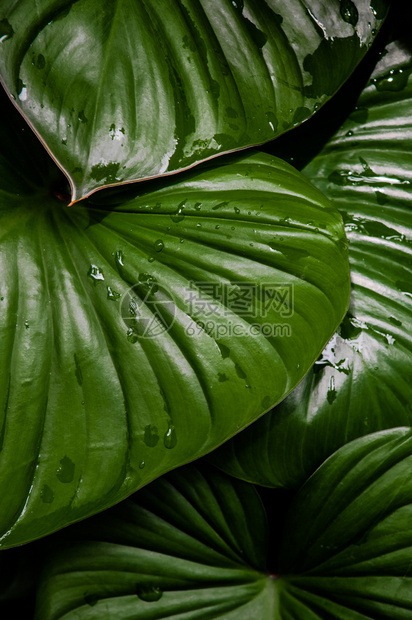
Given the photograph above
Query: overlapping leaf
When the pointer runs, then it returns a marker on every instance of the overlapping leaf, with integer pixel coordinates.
(192, 546)
(349, 534)
(125, 90)
(362, 381)
(138, 338)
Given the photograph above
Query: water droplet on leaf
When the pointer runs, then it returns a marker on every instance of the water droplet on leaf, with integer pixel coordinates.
(378, 8)
(151, 436)
(112, 295)
(106, 171)
(222, 377)
(131, 335)
(170, 439)
(82, 117)
(95, 273)
(46, 494)
(395, 80)
(65, 473)
(119, 258)
(178, 215)
(149, 594)
(349, 12)
(331, 394)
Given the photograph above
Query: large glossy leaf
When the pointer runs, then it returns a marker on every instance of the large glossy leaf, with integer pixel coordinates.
(121, 90)
(348, 541)
(362, 381)
(136, 339)
(192, 546)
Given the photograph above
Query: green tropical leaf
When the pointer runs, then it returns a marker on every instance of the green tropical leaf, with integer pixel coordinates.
(120, 91)
(349, 534)
(361, 383)
(139, 338)
(192, 545)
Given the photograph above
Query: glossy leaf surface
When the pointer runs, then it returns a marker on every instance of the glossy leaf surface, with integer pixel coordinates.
(139, 338)
(362, 381)
(120, 91)
(192, 545)
(349, 534)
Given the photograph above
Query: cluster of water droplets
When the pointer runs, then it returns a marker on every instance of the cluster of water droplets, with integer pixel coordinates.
(151, 436)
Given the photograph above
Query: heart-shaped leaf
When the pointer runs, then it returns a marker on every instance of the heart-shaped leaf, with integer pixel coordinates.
(139, 338)
(120, 91)
(193, 544)
(362, 381)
